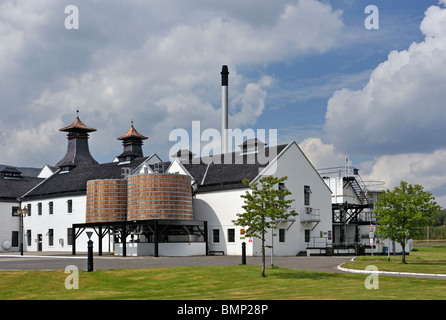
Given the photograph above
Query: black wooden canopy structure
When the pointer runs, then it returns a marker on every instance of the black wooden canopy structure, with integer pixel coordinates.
(156, 230)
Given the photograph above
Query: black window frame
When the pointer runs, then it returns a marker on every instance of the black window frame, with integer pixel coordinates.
(28, 237)
(307, 235)
(14, 239)
(50, 237)
(307, 195)
(216, 235)
(281, 235)
(70, 206)
(69, 236)
(231, 235)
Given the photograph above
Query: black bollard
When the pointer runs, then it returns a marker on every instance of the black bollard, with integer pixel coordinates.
(90, 256)
(243, 253)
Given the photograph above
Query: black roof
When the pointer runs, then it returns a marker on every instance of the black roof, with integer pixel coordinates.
(229, 170)
(219, 175)
(25, 171)
(74, 182)
(11, 189)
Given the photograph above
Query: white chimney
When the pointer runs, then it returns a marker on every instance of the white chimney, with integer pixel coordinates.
(224, 108)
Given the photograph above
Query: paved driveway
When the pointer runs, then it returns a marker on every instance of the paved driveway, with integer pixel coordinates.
(54, 261)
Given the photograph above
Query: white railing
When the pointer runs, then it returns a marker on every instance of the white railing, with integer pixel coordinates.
(310, 215)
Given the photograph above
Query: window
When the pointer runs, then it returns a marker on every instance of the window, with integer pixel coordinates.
(70, 236)
(307, 235)
(28, 237)
(70, 206)
(231, 235)
(29, 209)
(282, 188)
(50, 237)
(39, 208)
(216, 235)
(50, 207)
(14, 211)
(307, 192)
(15, 239)
(281, 235)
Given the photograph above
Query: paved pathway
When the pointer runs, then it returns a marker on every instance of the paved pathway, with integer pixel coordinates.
(393, 273)
(59, 260)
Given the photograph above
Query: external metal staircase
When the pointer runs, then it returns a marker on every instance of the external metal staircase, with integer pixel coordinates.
(360, 191)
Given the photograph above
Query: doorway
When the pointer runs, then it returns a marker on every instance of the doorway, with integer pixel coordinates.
(39, 242)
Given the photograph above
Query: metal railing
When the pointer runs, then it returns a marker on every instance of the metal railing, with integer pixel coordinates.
(344, 241)
(317, 242)
(310, 215)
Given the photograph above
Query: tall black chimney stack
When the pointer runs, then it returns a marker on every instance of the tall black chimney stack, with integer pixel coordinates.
(224, 108)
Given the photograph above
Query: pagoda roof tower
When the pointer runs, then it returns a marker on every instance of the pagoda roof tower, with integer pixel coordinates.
(132, 142)
(78, 152)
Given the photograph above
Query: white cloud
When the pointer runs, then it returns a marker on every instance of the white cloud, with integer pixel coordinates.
(252, 103)
(321, 155)
(156, 63)
(426, 169)
(11, 41)
(401, 108)
(398, 116)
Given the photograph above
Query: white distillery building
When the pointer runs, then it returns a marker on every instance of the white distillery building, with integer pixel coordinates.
(59, 201)
(13, 184)
(353, 203)
(217, 199)
(139, 205)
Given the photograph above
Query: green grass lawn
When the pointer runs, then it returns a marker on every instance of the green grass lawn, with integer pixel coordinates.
(423, 259)
(238, 282)
(234, 282)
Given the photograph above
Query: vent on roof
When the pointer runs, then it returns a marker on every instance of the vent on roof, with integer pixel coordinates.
(66, 168)
(11, 174)
(252, 146)
(184, 155)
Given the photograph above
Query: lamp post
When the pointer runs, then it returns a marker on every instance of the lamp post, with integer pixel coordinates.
(22, 213)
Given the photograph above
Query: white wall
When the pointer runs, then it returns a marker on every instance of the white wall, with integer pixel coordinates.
(339, 193)
(300, 172)
(219, 208)
(59, 221)
(8, 224)
(46, 172)
(175, 249)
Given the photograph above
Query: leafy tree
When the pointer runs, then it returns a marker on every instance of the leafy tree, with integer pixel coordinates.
(402, 213)
(263, 205)
(440, 218)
